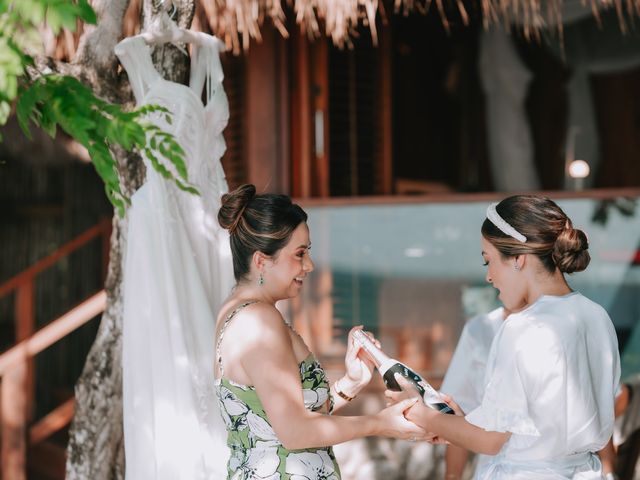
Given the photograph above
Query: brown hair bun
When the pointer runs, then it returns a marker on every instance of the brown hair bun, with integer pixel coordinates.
(549, 232)
(233, 206)
(570, 251)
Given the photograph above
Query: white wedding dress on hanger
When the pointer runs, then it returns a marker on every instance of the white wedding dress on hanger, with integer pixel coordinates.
(178, 270)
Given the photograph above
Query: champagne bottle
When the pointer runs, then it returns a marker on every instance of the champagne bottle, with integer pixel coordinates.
(388, 367)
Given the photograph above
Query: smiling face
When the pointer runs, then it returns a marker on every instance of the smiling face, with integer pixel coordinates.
(503, 275)
(285, 274)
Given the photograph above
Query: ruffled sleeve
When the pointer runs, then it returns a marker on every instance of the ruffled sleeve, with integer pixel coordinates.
(526, 363)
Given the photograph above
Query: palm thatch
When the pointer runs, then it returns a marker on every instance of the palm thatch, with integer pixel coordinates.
(238, 22)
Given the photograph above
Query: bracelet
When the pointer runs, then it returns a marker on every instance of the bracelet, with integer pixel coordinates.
(341, 393)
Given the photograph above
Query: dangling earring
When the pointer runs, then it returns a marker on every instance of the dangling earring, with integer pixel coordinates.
(516, 266)
(261, 280)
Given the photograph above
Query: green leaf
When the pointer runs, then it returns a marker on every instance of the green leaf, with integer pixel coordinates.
(29, 11)
(157, 166)
(86, 13)
(24, 109)
(104, 164)
(116, 199)
(55, 101)
(62, 14)
(187, 188)
(5, 111)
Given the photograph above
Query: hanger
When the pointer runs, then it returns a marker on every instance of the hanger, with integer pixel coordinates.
(164, 29)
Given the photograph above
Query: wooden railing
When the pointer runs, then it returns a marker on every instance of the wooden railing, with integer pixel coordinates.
(17, 365)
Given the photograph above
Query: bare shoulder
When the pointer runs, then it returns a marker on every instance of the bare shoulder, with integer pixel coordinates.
(259, 324)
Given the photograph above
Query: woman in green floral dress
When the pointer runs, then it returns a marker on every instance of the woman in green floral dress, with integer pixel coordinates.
(274, 396)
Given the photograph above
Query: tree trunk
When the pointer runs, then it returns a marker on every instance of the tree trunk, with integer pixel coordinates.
(96, 444)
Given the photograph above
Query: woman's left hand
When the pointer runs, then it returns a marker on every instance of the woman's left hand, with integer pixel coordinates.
(359, 368)
(418, 413)
(408, 391)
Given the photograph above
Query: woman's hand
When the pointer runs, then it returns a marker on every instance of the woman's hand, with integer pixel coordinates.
(454, 406)
(359, 368)
(394, 424)
(418, 413)
(409, 390)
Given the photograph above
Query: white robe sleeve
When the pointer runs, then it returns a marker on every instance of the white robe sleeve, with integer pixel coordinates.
(526, 367)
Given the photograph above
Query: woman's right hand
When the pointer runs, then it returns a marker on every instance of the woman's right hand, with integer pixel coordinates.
(454, 406)
(394, 424)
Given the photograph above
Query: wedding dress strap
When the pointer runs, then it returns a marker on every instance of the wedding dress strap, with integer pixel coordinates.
(206, 66)
(224, 327)
(135, 56)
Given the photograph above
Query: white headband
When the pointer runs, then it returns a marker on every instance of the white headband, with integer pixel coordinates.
(495, 218)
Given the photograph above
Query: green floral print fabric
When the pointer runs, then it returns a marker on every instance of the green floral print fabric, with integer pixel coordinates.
(256, 452)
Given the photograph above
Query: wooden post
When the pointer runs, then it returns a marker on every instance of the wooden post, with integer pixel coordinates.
(301, 119)
(353, 124)
(320, 66)
(25, 311)
(13, 408)
(25, 317)
(385, 94)
(284, 113)
(267, 160)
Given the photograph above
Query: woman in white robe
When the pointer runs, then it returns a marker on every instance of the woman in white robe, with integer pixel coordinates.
(553, 368)
(464, 379)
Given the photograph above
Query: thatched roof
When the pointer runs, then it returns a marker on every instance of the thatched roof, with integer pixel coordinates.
(238, 22)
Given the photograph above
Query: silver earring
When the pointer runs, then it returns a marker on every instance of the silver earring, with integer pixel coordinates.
(516, 266)
(261, 280)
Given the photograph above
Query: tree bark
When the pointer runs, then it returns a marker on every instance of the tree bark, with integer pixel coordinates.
(96, 444)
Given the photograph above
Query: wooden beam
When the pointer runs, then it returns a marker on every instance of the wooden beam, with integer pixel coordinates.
(595, 194)
(53, 332)
(53, 422)
(49, 260)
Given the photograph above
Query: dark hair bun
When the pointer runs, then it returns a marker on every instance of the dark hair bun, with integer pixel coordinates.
(570, 251)
(233, 205)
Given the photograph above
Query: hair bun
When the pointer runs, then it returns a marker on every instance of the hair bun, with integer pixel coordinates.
(570, 251)
(233, 205)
